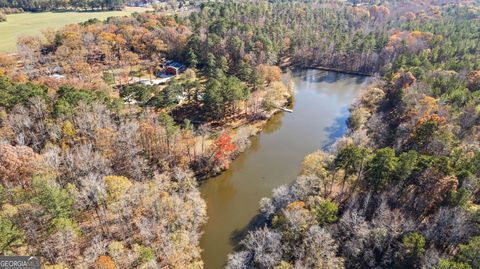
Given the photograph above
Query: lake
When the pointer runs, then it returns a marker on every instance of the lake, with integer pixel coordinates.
(320, 110)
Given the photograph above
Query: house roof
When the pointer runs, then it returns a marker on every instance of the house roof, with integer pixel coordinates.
(174, 64)
(57, 76)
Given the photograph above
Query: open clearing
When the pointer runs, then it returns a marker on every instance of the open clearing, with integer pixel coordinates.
(32, 23)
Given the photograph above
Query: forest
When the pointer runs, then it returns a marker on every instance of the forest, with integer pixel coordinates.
(401, 190)
(99, 172)
(108, 182)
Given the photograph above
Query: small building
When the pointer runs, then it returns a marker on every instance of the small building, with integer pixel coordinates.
(174, 68)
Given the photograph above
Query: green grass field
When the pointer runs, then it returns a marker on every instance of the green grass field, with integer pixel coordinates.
(32, 23)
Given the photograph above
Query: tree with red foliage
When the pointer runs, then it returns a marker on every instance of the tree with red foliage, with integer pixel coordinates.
(223, 148)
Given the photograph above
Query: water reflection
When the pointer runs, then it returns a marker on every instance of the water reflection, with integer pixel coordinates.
(338, 128)
(274, 124)
(236, 236)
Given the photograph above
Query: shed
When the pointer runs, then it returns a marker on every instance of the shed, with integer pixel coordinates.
(174, 68)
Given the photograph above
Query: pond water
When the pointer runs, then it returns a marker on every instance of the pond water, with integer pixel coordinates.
(320, 110)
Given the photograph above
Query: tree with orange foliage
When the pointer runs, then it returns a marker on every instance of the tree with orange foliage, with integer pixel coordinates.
(105, 262)
(379, 12)
(16, 165)
(434, 117)
(7, 64)
(404, 80)
(430, 135)
(223, 148)
(270, 73)
(296, 205)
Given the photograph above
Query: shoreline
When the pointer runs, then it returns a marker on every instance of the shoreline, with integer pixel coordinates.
(273, 158)
(286, 63)
(336, 70)
(259, 125)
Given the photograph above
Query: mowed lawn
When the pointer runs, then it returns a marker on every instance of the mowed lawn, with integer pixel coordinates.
(32, 23)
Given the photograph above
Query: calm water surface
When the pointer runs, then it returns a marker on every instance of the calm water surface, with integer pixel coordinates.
(274, 157)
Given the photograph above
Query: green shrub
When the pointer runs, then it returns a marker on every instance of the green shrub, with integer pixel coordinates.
(10, 235)
(324, 211)
(145, 255)
(381, 168)
(412, 251)
(469, 253)
(446, 264)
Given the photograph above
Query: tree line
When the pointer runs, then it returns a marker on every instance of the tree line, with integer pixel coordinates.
(45, 5)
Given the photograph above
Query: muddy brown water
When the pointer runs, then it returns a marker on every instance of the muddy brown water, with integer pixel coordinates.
(320, 110)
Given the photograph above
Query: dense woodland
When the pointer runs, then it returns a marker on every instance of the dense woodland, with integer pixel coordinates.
(401, 190)
(110, 182)
(99, 171)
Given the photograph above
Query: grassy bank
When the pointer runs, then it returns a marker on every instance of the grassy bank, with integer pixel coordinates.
(32, 23)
